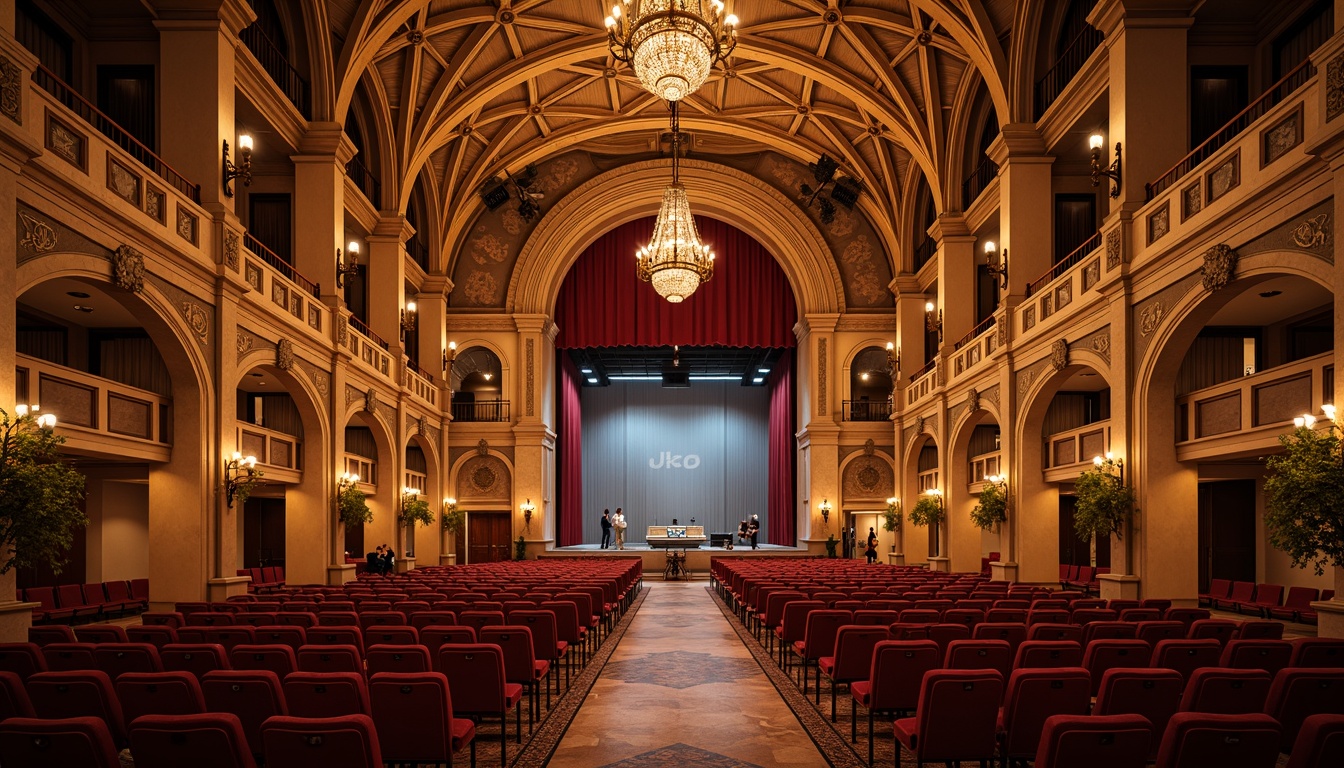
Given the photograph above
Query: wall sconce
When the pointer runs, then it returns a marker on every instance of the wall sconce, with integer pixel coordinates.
(1309, 421)
(43, 421)
(825, 508)
(998, 480)
(1109, 462)
(931, 322)
(1111, 171)
(449, 354)
(345, 481)
(408, 316)
(350, 266)
(528, 508)
(408, 494)
(997, 263)
(893, 362)
(240, 474)
(241, 171)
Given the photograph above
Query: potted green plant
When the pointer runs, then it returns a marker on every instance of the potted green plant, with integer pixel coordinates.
(452, 519)
(992, 510)
(415, 510)
(831, 544)
(39, 494)
(1304, 496)
(891, 519)
(520, 549)
(352, 507)
(928, 511)
(1104, 501)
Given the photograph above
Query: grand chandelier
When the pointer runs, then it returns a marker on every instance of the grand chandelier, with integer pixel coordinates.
(672, 43)
(675, 262)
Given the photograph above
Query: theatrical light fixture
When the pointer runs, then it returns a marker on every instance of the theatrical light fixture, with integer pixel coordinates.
(528, 509)
(893, 362)
(996, 263)
(1111, 171)
(825, 508)
(349, 266)
(844, 190)
(1109, 462)
(519, 186)
(933, 322)
(675, 262)
(239, 471)
(408, 317)
(243, 170)
(43, 421)
(449, 354)
(672, 44)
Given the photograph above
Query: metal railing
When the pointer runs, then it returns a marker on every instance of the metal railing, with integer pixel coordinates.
(419, 251)
(49, 82)
(1053, 83)
(980, 327)
(285, 76)
(415, 368)
(491, 410)
(1267, 101)
(866, 410)
(364, 330)
(978, 181)
(924, 252)
(363, 178)
(283, 267)
(1065, 264)
(929, 366)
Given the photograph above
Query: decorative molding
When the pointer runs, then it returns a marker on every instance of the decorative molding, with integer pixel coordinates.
(919, 424)
(1224, 178)
(284, 354)
(231, 249)
(483, 477)
(11, 90)
(1278, 139)
(67, 143)
(821, 377)
(342, 330)
(869, 447)
(867, 477)
(156, 202)
(1101, 344)
(1159, 223)
(1220, 266)
(973, 399)
(1150, 317)
(186, 225)
(482, 447)
(128, 269)
(245, 342)
(371, 401)
(1192, 200)
(321, 380)
(38, 236)
(422, 426)
(1313, 232)
(531, 376)
(352, 394)
(1334, 88)
(992, 394)
(1113, 255)
(196, 318)
(1002, 333)
(1059, 354)
(1309, 231)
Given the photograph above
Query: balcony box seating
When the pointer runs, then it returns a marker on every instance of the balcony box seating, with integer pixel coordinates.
(1299, 599)
(47, 610)
(1243, 593)
(72, 596)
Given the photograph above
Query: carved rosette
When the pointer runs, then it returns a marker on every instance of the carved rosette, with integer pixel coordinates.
(1059, 354)
(284, 355)
(128, 269)
(869, 447)
(371, 401)
(1220, 266)
(868, 477)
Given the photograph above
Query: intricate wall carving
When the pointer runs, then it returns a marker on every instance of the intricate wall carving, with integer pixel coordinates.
(38, 236)
(371, 401)
(231, 248)
(821, 377)
(11, 93)
(284, 354)
(352, 394)
(1059, 354)
(1113, 254)
(531, 376)
(69, 238)
(1220, 266)
(1149, 313)
(197, 319)
(245, 342)
(483, 478)
(128, 269)
(868, 477)
(1334, 88)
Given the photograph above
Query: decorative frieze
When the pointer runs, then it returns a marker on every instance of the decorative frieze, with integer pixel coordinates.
(531, 347)
(11, 90)
(231, 249)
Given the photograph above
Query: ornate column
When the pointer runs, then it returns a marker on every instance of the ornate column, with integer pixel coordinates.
(956, 275)
(534, 433)
(387, 280)
(818, 434)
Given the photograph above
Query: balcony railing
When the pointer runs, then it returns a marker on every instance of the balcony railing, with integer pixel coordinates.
(980, 327)
(866, 410)
(52, 84)
(924, 252)
(490, 410)
(984, 465)
(1074, 448)
(1065, 264)
(288, 79)
(1050, 86)
(91, 409)
(363, 329)
(283, 267)
(363, 178)
(978, 181)
(419, 251)
(1259, 406)
(271, 447)
(1267, 101)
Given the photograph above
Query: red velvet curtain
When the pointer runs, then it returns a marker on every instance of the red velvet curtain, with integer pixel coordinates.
(781, 521)
(569, 521)
(748, 302)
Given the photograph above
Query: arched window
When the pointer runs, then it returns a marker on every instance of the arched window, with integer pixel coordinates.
(477, 385)
(870, 387)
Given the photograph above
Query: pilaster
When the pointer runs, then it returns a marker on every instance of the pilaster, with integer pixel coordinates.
(1025, 188)
(319, 222)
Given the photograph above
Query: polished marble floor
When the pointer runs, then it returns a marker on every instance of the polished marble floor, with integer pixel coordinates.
(681, 690)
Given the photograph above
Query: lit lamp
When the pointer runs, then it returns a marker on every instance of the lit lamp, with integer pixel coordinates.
(672, 45)
(243, 170)
(449, 354)
(998, 480)
(43, 421)
(825, 508)
(528, 508)
(1111, 171)
(408, 494)
(996, 263)
(239, 473)
(350, 266)
(675, 262)
(893, 362)
(933, 322)
(1109, 462)
(408, 316)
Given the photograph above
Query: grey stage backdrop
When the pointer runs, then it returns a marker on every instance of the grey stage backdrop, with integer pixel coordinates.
(661, 453)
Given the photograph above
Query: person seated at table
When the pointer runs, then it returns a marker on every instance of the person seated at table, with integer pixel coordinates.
(374, 560)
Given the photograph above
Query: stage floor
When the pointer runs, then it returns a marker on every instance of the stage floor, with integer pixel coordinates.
(642, 547)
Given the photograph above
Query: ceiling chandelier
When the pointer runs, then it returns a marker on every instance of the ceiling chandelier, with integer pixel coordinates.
(672, 43)
(675, 262)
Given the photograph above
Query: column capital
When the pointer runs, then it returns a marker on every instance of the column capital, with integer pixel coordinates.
(1109, 15)
(531, 323)
(325, 142)
(236, 15)
(905, 286)
(949, 226)
(821, 322)
(436, 285)
(1018, 142)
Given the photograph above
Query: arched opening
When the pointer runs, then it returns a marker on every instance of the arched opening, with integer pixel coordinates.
(368, 454)
(976, 454)
(870, 387)
(425, 542)
(477, 382)
(269, 426)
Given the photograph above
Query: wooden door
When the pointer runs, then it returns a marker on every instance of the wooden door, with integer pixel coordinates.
(488, 537)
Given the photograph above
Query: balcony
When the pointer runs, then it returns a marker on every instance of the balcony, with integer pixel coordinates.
(921, 382)
(368, 347)
(98, 416)
(490, 410)
(866, 410)
(982, 466)
(978, 344)
(1246, 415)
(1067, 280)
(278, 453)
(273, 277)
(1068, 453)
(978, 181)
(422, 385)
(1053, 83)
(282, 73)
(364, 179)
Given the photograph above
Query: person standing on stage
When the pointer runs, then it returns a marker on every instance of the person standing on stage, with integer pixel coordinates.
(618, 522)
(742, 532)
(606, 528)
(754, 529)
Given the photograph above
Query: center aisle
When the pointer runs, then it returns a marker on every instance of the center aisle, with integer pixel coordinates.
(682, 689)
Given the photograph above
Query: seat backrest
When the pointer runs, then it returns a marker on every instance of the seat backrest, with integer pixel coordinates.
(14, 701)
(957, 712)
(1085, 616)
(171, 619)
(515, 642)
(351, 635)
(72, 596)
(251, 695)
(819, 633)
(1301, 598)
(1014, 633)
(875, 617)
(1055, 631)
(1220, 587)
(475, 676)
(82, 693)
(54, 633)
(422, 619)
(1095, 740)
(413, 713)
(1296, 694)
(1260, 630)
(398, 658)
(23, 659)
(1269, 594)
(157, 635)
(920, 616)
(1102, 655)
(118, 658)
(158, 693)
(100, 633)
(1197, 740)
(280, 659)
(350, 741)
(82, 741)
(1318, 652)
(979, 654)
(210, 619)
(943, 634)
(279, 634)
(854, 644)
(1320, 742)
(1223, 691)
(1110, 630)
(1242, 591)
(69, 656)
(196, 658)
(968, 616)
(1037, 654)
(213, 740)
(1034, 695)
(386, 634)
(1185, 656)
(1153, 693)
(1153, 631)
(997, 615)
(329, 658)
(898, 671)
(1186, 616)
(326, 694)
(1269, 655)
(544, 636)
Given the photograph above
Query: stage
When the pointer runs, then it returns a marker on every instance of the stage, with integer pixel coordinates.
(697, 560)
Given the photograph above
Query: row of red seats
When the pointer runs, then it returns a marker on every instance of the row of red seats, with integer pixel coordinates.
(1265, 600)
(267, 578)
(71, 603)
(1083, 577)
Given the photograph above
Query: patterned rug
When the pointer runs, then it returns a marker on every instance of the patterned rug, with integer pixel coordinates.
(680, 756)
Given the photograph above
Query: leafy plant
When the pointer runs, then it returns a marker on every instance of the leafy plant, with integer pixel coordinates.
(243, 490)
(1304, 498)
(1104, 502)
(993, 507)
(891, 519)
(453, 519)
(415, 510)
(520, 549)
(39, 495)
(352, 508)
(831, 544)
(927, 511)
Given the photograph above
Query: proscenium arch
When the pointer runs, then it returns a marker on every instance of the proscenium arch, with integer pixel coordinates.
(635, 191)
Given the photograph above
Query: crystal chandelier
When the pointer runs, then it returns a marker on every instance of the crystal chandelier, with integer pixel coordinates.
(672, 43)
(675, 261)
